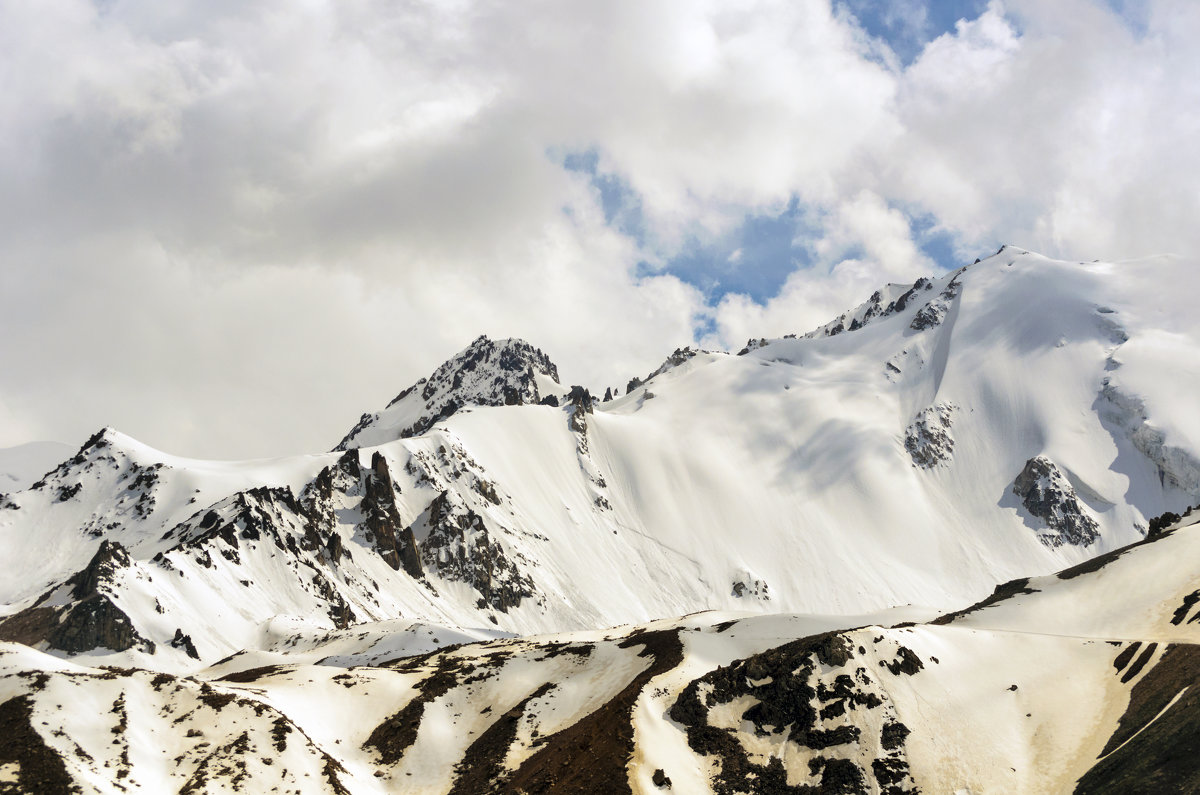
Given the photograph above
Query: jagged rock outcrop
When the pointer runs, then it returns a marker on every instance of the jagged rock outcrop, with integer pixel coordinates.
(384, 528)
(927, 438)
(677, 357)
(580, 402)
(136, 485)
(459, 546)
(933, 313)
(748, 587)
(184, 643)
(88, 620)
(753, 344)
(1048, 495)
(486, 373)
(891, 300)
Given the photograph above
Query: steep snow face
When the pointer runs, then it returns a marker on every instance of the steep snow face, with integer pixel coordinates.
(486, 373)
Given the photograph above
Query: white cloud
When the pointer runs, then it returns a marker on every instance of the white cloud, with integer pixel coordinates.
(866, 244)
(227, 228)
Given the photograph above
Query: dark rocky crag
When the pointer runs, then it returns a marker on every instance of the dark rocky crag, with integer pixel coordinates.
(487, 373)
(89, 620)
(1048, 495)
(927, 439)
(460, 546)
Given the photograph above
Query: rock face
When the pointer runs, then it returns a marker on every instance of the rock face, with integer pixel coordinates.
(581, 403)
(1048, 495)
(893, 299)
(461, 547)
(750, 587)
(933, 313)
(927, 439)
(89, 620)
(393, 540)
(487, 373)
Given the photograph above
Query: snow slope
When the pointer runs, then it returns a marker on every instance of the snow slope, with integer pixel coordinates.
(1055, 685)
(1010, 419)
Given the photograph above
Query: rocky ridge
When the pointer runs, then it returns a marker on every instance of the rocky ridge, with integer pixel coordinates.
(485, 373)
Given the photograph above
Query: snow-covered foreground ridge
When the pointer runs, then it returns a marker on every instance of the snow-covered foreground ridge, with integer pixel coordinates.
(287, 621)
(1076, 682)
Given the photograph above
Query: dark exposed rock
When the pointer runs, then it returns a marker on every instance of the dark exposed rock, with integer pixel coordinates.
(393, 540)
(874, 308)
(893, 735)
(486, 373)
(182, 641)
(110, 558)
(1001, 592)
(392, 738)
(580, 401)
(751, 587)
(482, 767)
(785, 704)
(334, 547)
(927, 439)
(752, 344)
(29, 765)
(909, 663)
(67, 492)
(661, 779)
(1156, 746)
(594, 753)
(1048, 495)
(90, 621)
(933, 313)
(1182, 611)
(677, 357)
(459, 546)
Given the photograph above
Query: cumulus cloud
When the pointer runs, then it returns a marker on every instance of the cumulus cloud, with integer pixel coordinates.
(228, 228)
(865, 244)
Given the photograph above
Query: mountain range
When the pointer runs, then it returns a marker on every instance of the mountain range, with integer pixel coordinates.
(942, 543)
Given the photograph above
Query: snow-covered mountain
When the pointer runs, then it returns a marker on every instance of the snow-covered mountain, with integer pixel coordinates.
(1014, 418)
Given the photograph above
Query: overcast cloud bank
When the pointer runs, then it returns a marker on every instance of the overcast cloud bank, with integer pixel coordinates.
(228, 229)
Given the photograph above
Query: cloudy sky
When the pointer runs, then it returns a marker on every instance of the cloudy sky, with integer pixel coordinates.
(229, 228)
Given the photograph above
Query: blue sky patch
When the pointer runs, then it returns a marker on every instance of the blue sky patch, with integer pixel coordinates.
(908, 25)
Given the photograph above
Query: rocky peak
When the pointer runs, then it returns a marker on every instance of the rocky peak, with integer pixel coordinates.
(486, 373)
(85, 617)
(1048, 495)
(109, 558)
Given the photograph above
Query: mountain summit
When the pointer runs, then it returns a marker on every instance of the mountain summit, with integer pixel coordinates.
(508, 372)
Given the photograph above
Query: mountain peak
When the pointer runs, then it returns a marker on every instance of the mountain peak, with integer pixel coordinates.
(487, 372)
